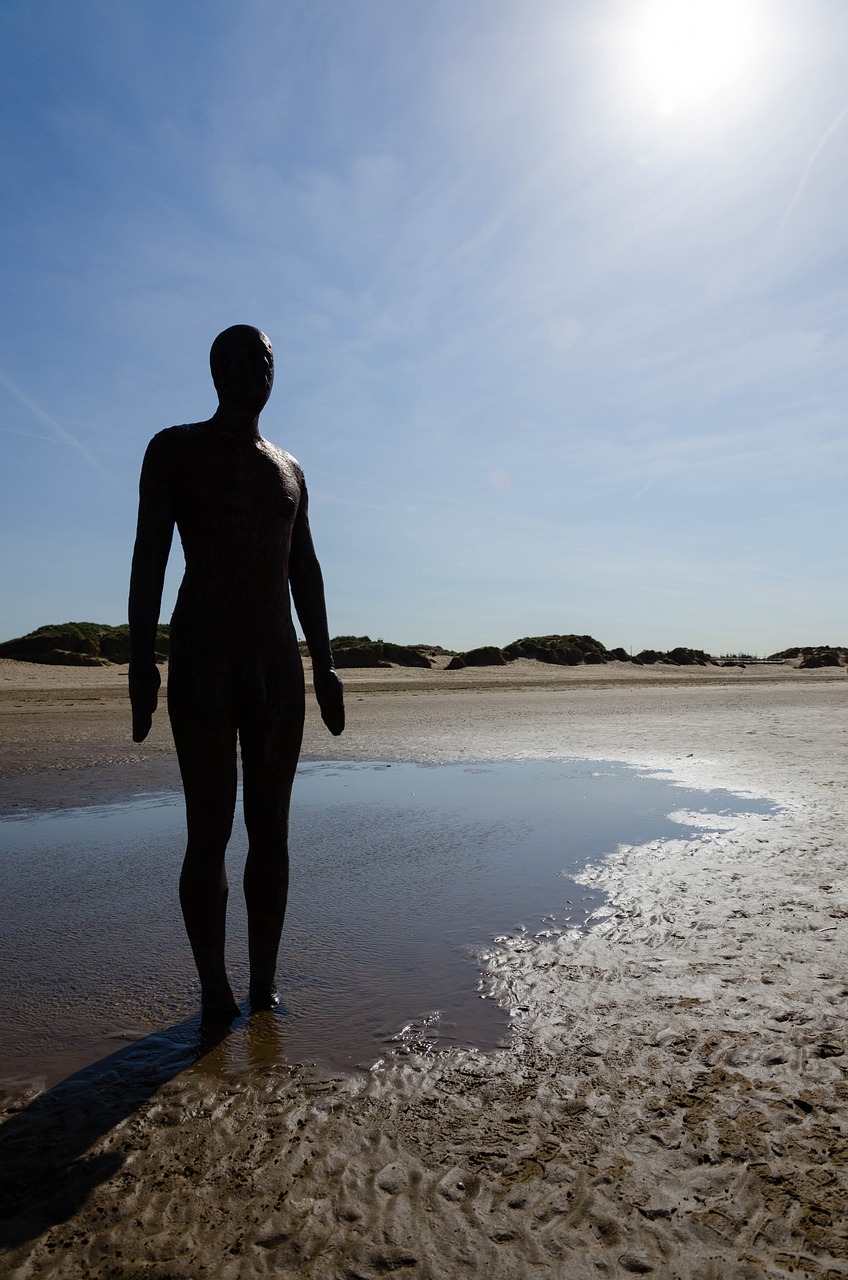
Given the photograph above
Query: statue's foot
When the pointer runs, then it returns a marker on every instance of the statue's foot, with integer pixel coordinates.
(217, 1000)
(263, 995)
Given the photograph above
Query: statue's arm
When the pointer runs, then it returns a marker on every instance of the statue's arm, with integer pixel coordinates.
(153, 537)
(307, 588)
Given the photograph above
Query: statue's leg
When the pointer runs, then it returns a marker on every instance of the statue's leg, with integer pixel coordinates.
(207, 758)
(270, 746)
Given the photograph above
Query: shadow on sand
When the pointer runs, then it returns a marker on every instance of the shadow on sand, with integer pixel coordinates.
(45, 1174)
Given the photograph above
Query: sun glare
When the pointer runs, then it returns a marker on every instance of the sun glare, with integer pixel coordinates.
(684, 54)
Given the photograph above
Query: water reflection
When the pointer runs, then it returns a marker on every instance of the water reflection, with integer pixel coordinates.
(398, 872)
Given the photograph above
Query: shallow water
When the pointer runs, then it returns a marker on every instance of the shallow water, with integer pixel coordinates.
(398, 872)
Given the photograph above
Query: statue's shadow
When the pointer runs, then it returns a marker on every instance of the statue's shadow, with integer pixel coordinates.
(45, 1174)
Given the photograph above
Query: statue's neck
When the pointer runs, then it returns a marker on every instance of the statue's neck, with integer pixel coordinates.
(241, 424)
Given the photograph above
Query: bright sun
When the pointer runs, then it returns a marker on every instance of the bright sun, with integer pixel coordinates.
(685, 54)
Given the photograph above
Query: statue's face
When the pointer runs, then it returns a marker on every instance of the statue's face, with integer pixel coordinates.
(259, 370)
(245, 370)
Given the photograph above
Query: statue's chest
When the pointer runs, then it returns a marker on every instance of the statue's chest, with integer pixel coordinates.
(243, 492)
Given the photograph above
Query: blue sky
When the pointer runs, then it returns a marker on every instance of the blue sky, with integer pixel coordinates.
(557, 293)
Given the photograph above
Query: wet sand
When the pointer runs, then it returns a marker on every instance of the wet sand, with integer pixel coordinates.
(673, 1100)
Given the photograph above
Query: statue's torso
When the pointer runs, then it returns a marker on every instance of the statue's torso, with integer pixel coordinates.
(235, 503)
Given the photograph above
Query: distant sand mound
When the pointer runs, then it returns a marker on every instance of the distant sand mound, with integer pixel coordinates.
(572, 651)
(95, 644)
(79, 644)
(362, 651)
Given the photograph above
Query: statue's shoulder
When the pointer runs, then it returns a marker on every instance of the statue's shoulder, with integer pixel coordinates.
(174, 439)
(284, 460)
(175, 442)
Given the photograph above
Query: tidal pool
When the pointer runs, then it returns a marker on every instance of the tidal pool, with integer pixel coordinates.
(398, 872)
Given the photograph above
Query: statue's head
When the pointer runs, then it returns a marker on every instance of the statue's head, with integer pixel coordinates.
(242, 365)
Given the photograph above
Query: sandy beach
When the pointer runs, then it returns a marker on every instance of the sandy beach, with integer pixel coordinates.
(672, 1101)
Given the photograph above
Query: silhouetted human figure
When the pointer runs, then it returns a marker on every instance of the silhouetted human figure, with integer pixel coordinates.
(235, 672)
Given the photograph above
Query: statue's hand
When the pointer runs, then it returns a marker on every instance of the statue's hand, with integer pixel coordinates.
(330, 695)
(144, 695)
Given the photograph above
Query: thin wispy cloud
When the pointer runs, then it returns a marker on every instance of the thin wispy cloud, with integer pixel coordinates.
(802, 182)
(73, 444)
(60, 434)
